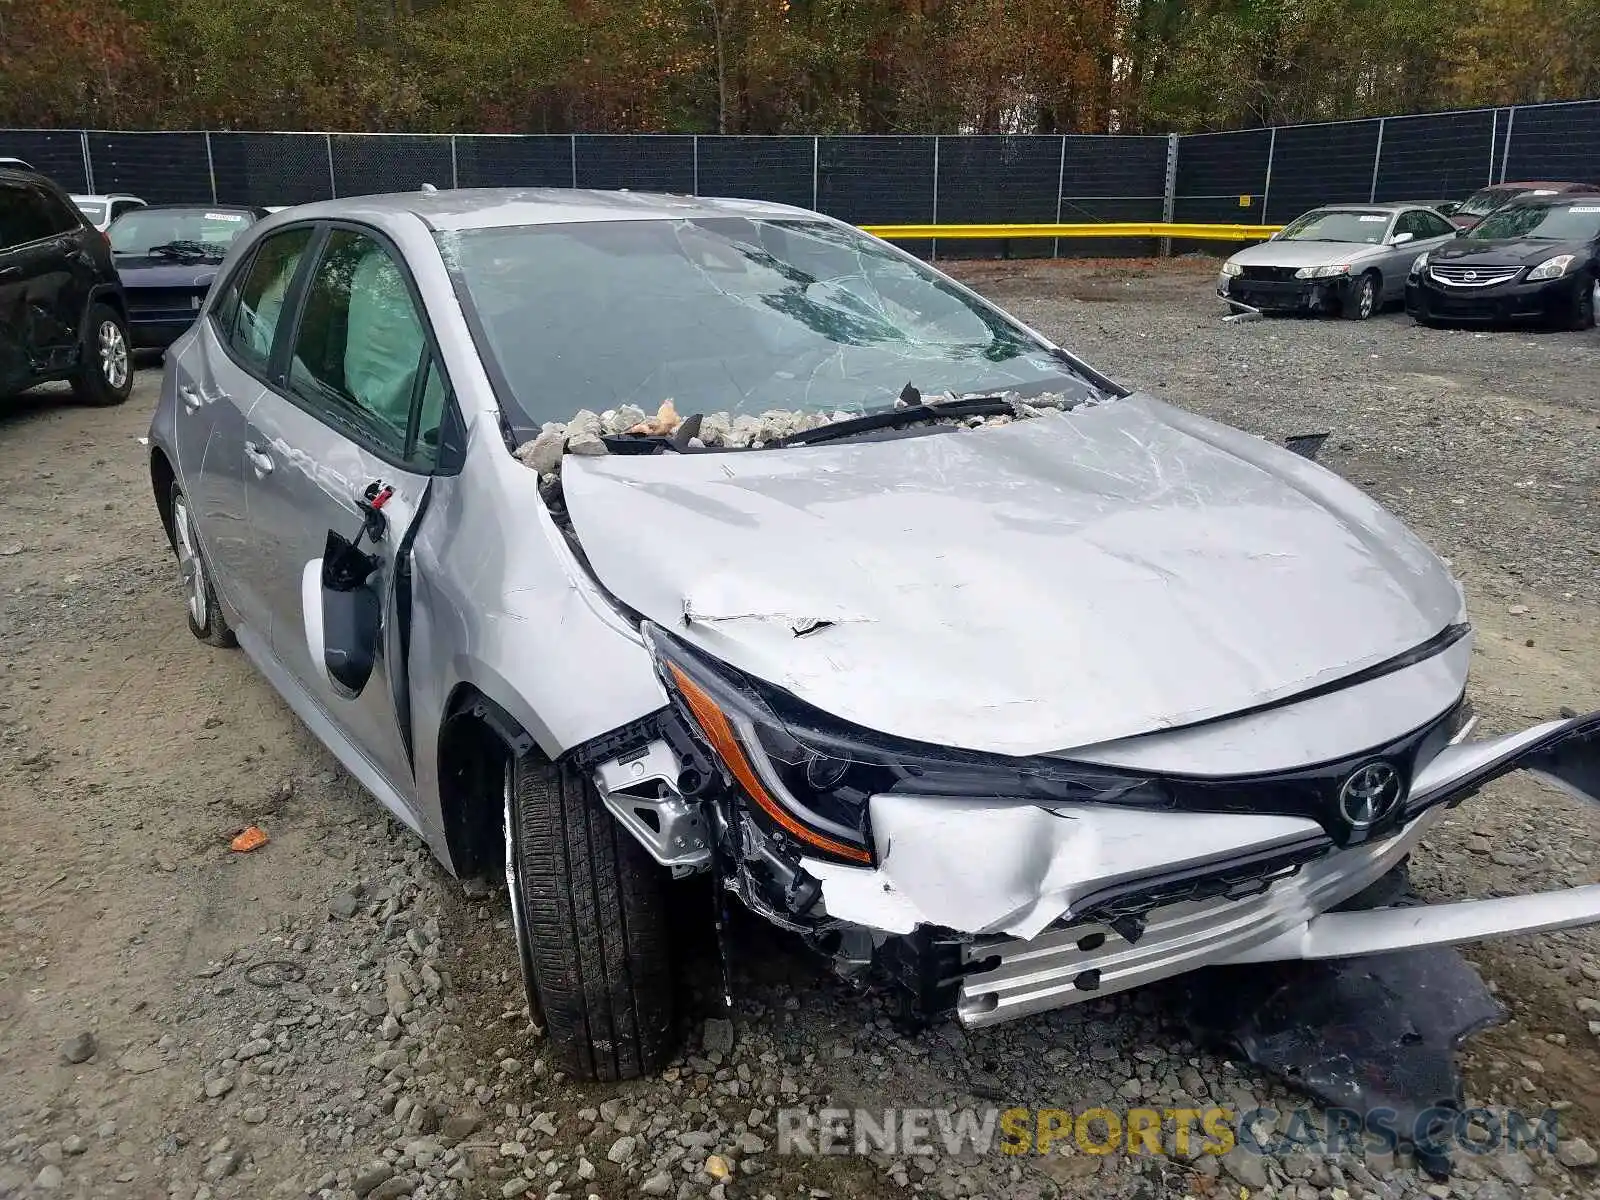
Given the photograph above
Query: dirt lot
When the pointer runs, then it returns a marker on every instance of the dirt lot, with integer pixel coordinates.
(331, 1014)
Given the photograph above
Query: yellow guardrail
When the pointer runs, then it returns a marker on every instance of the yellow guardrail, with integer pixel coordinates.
(1096, 229)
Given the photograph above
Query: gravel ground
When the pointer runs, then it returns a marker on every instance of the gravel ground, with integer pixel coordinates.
(331, 1015)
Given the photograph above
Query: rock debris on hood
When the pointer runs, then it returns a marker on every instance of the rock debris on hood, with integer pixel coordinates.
(585, 431)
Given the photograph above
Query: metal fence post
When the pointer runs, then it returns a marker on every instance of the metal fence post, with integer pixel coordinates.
(1061, 186)
(1169, 191)
(333, 180)
(1266, 183)
(1505, 152)
(455, 170)
(1377, 158)
(88, 163)
(211, 168)
(815, 171)
(696, 148)
(933, 246)
(574, 147)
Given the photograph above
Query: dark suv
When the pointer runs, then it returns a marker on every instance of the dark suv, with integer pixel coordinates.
(62, 315)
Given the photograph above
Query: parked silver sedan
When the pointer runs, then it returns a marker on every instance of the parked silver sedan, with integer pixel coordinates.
(1350, 259)
(1030, 687)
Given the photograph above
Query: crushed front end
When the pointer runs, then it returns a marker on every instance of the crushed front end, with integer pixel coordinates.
(992, 888)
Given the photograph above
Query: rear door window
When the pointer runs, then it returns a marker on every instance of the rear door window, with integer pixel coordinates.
(23, 216)
(262, 295)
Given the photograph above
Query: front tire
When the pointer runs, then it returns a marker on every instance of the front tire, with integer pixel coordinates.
(1583, 307)
(105, 368)
(588, 905)
(1362, 302)
(206, 621)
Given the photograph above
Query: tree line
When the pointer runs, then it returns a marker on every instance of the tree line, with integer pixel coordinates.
(779, 66)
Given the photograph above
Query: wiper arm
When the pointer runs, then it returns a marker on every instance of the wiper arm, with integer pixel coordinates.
(900, 418)
(178, 250)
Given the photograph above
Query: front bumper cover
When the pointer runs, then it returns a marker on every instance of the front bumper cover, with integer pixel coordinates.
(1427, 299)
(1286, 295)
(1015, 910)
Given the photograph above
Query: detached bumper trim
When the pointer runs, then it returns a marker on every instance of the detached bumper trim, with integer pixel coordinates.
(1026, 977)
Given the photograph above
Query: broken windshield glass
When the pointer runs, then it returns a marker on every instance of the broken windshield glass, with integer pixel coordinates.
(730, 314)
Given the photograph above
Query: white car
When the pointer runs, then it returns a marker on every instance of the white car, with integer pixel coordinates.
(102, 210)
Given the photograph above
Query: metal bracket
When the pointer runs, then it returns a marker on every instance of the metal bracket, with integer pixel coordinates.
(640, 787)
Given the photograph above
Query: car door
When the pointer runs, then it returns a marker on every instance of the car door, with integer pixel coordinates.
(219, 375)
(53, 274)
(356, 409)
(1428, 232)
(17, 232)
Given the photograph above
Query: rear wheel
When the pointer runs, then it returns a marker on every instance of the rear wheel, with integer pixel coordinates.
(105, 368)
(588, 907)
(206, 621)
(1362, 302)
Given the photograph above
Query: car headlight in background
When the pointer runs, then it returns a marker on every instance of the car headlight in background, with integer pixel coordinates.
(1551, 268)
(1418, 265)
(1232, 269)
(808, 777)
(1323, 272)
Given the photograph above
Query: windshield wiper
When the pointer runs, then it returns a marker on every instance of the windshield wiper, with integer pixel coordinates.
(900, 418)
(180, 249)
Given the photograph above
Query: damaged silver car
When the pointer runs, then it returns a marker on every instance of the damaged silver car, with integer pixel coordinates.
(633, 537)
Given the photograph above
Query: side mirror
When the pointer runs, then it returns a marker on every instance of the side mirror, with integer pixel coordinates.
(1400, 239)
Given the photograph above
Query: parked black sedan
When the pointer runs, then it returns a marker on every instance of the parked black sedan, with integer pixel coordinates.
(1537, 258)
(167, 256)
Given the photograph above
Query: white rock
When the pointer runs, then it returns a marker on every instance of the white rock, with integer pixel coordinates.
(623, 1149)
(585, 443)
(543, 453)
(584, 421)
(623, 419)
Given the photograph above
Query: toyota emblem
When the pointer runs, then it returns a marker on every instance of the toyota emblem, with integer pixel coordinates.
(1370, 794)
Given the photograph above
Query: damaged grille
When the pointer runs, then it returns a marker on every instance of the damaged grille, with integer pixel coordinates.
(1269, 274)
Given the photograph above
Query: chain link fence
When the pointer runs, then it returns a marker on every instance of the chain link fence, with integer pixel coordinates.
(1253, 176)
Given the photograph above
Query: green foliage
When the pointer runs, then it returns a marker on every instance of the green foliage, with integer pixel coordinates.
(779, 66)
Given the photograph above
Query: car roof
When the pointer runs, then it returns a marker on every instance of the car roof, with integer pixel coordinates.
(1385, 206)
(97, 197)
(202, 206)
(1544, 183)
(1550, 201)
(491, 208)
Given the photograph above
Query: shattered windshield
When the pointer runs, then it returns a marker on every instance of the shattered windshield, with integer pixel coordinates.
(1481, 204)
(1337, 226)
(730, 314)
(176, 232)
(1544, 222)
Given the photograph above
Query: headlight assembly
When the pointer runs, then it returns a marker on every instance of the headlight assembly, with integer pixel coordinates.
(808, 777)
(1324, 272)
(1232, 269)
(1551, 268)
(1419, 264)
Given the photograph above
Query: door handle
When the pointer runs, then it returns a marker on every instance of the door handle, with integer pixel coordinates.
(191, 398)
(259, 460)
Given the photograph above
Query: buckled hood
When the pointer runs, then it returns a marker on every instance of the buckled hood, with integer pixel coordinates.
(1057, 582)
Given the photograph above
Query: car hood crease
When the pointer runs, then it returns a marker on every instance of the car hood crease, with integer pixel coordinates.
(1057, 582)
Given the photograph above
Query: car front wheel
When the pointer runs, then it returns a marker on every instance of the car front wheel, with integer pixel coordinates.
(1362, 301)
(1584, 304)
(588, 907)
(105, 368)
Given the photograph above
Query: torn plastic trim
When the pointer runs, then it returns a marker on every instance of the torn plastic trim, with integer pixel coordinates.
(1046, 864)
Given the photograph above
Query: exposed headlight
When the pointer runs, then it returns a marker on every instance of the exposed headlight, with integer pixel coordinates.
(1552, 268)
(1231, 268)
(1322, 272)
(808, 777)
(1419, 264)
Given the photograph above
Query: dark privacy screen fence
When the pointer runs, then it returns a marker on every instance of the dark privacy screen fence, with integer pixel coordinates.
(1254, 176)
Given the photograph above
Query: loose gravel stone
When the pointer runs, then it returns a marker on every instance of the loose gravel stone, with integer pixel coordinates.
(80, 1048)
